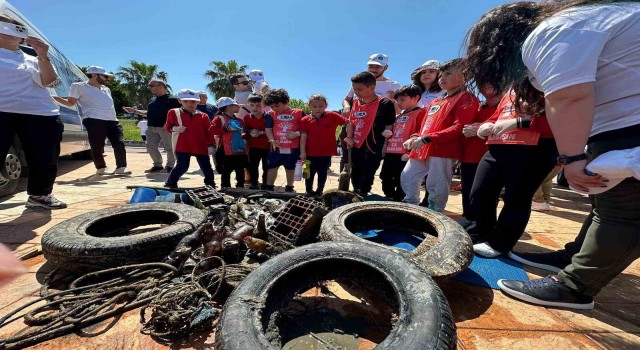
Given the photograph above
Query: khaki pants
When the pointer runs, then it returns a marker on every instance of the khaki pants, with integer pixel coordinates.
(543, 194)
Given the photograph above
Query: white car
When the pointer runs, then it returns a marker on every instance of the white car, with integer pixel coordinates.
(74, 138)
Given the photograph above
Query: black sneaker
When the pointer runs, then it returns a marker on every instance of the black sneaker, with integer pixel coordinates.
(289, 189)
(547, 291)
(46, 202)
(168, 169)
(554, 261)
(154, 169)
(254, 187)
(168, 185)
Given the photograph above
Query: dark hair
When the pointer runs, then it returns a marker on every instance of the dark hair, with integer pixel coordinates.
(255, 98)
(456, 63)
(411, 90)
(235, 77)
(365, 78)
(318, 97)
(494, 48)
(276, 96)
(417, 74)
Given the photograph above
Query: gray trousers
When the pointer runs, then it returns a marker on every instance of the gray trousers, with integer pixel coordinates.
(155, 134)
(610, 236)
(440, 172)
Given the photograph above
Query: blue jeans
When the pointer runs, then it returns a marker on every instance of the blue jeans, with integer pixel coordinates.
(182, 166)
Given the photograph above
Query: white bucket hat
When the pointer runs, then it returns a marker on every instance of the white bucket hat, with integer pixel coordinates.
(379, 59)
(225, 101)
(188, 95)
(431, 64)
(98, 70)
(13, 29)
(615, 166)
(256, 75)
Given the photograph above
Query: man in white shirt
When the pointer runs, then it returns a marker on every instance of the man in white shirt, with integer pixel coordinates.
(99, 119)
(377, 64)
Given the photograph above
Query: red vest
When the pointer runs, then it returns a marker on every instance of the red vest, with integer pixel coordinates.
(285, 122)
(362, 118)
(436, 114)
(405, 126)
(506, 110)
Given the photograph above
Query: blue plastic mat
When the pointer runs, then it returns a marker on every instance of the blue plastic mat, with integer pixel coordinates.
(146, 195)
(482, 271)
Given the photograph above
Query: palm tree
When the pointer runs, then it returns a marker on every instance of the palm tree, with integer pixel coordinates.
(135, 78)
(219, 75)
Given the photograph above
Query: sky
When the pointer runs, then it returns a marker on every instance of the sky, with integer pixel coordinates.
(305, 47)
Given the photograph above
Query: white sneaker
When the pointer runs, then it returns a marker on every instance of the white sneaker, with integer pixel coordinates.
(103, 171)
(485, 250)
(544, 206)
(122, 171)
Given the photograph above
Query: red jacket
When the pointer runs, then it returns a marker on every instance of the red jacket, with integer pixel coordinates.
(475, 147)
(539, 123)
(443, 124)
(196, 138)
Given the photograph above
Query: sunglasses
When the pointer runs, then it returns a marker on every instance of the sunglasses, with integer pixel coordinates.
(243, 82)
(153, 85)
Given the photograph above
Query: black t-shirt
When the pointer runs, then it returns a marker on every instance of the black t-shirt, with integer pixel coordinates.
(158, 108)
(386, 115)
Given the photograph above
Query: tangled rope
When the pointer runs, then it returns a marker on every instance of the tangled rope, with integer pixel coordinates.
(86, 304)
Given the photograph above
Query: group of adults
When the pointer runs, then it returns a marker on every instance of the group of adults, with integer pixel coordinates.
(577, 62)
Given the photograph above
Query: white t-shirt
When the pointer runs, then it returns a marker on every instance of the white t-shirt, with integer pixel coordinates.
(21, 89)
(96, 102)
(143, 127)
(382, 88)
(594, 43)
(427, 97)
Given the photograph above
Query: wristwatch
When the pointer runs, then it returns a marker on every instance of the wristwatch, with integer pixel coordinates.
(564, 160)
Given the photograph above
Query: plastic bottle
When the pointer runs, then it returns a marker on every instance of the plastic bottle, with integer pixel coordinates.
(306, 169)
(297, 174)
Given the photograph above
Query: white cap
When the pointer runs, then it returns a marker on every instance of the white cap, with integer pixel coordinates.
(188, 95)
(97, 70)
(156, 80)
(13, 29)
(431, 64)
(379, 59)
(256, 75)
(225, 101)
(615, 166)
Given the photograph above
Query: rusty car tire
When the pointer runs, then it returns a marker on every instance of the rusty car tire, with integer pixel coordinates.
(90, 241)
(424, 318)
(447, 252)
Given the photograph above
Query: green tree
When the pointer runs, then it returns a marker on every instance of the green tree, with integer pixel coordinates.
(135, 78)
(300, 104)
(219, 76)
(118, 93)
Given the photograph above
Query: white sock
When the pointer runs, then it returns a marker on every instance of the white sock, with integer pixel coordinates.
(485, 250)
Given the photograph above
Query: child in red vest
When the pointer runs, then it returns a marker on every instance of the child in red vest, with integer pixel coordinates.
(439, 142)
(317, 143)
(370, 116)
(254, 125)
(229, 129)
(282, 127)
(396, 155)
(191, 134)
(474, 149)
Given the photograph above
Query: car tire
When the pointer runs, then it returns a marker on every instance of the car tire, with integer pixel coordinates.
(424, 318)
(12, 169)
(446, 251)
(92, 241)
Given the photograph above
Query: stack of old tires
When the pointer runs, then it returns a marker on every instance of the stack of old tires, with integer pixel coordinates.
(424, 320)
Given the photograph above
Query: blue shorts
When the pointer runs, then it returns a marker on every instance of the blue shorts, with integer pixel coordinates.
(287, 160)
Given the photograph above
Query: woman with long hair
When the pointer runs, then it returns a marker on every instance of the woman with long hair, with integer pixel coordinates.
(579, 61)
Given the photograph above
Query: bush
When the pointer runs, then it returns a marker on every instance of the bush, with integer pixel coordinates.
(131, 131)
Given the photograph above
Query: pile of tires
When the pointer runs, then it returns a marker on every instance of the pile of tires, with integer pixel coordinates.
(102, 239)
(447, 252)
(424, 318)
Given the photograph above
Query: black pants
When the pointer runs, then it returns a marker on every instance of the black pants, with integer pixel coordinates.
(233, 163)
(390, 175)
(320, 166)
(467, 174)
(257, 155)
(40, 138)
(99, 130)
(182, 165)
(365, 164)
(520, 170)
